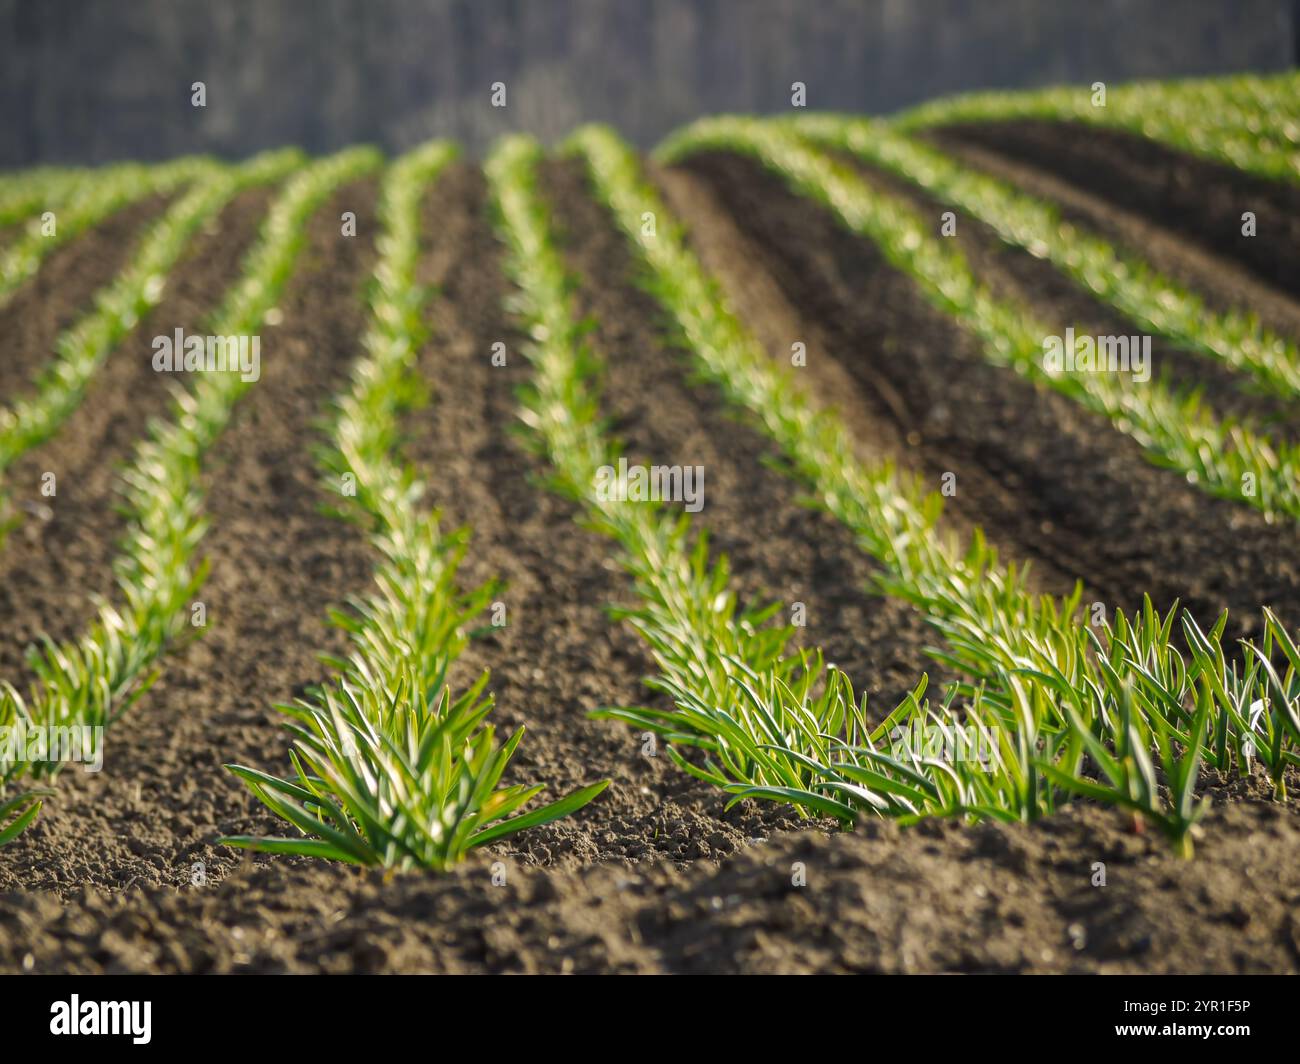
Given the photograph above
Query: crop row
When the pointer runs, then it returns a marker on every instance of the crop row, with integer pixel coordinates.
(1251, 124)
(86, 203)
(1123, 280)
(28, 193)
(736, 690)
(81, 349)
(389, 767)
(89, 682)
(1176, 430)
(1051, 690)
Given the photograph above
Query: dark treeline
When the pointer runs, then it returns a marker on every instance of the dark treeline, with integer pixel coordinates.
(88, 80)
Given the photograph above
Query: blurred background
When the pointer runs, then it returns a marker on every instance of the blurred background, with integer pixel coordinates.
(93, 80)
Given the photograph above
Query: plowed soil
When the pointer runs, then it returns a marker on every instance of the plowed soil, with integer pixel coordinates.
(121, 871)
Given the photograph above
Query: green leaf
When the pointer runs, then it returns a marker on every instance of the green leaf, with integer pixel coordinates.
(561, 808)
(20, 823)
(300, 847)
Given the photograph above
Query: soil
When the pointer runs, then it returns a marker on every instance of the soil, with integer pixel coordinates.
(939, 898)
(121, 871)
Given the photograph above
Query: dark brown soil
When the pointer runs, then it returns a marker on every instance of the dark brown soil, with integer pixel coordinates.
(9, 233)
(59, 559)
(1045, 479)
(121, 871)
(939, 898)
(63, 290)
(1201, 200)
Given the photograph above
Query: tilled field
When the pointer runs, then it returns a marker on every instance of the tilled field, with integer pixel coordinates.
(122, 870)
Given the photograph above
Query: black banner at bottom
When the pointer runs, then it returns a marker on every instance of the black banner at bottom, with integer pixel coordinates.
(363, 1013)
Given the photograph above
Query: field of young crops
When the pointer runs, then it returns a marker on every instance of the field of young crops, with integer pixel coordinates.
(824, 544)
